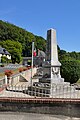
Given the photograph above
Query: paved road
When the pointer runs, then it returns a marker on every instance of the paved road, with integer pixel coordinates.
(32, 116)
(10, 67)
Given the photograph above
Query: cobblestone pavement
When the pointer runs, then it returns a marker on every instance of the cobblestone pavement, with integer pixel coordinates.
(32, 116)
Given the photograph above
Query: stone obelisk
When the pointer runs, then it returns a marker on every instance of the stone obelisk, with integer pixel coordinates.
(52, 64)
(52, 55)
(52, 52)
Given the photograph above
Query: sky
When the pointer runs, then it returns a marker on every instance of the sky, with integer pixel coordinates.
(37, 16)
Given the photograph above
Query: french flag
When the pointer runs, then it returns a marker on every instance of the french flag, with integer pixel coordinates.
(34, 52)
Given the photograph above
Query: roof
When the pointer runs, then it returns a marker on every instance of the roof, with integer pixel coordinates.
(4, 51)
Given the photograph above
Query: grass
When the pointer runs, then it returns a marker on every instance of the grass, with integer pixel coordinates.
(1, 74)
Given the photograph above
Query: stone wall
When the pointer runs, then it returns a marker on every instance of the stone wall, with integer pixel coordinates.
(25, 74)
(67, 108)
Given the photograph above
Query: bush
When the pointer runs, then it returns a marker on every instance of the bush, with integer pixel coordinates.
(24, 69)
(4, 59)
(8, 73)
(2, 65)
(20, 69)
(70, 70)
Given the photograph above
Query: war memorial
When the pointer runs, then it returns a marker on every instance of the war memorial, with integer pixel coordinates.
(43, 92)
(51, 83)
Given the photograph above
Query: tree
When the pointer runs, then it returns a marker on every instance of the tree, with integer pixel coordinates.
(70, 70)
(40, 43)
(3, 59)
(75, 55)
(11, 32)
(14, 48)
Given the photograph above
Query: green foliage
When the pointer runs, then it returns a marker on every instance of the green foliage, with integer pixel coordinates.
(3, 59)
(14, 48)
(63, 55)
(70, 70)
(11, 32)
(75, 55)
(40, 43)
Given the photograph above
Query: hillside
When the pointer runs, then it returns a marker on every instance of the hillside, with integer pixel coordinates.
(14, 33)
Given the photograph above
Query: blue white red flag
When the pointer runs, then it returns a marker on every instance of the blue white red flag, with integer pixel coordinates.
(34, 52)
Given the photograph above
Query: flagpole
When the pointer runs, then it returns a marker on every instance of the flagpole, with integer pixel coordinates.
(32, 62)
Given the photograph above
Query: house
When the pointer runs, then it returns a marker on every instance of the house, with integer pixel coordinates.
(4, 52)
(27, 61)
